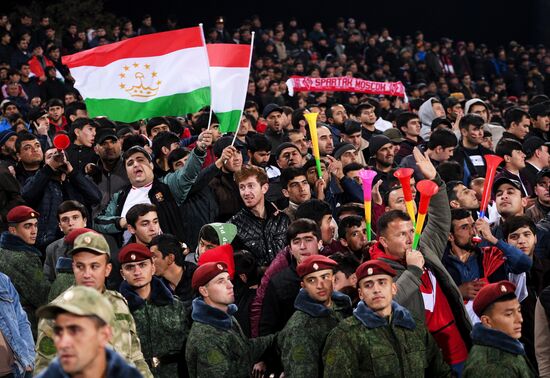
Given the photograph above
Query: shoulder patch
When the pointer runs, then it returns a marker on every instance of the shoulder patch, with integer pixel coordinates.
(46, 347)
(215, 357)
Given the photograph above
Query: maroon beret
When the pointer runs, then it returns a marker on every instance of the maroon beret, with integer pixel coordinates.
(204, 273)
(490, 293)
(71, 236)
(313, 264)
(20, 214)
(134, 252)
(372, 268)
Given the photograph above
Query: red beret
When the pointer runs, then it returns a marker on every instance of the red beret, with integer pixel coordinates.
(20, 214)
(314, 263)
(134, 252)
(204, 273)
(71, 236)
(372, 268)
(223, 253)
(490, 293)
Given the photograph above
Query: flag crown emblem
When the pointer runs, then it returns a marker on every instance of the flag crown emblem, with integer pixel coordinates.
(143, 77)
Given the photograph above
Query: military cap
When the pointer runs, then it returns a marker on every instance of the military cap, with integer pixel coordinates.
(20, 214)
(314, 263)
(71, 236)
(204, 273)
(81, 301)
(491, 293)
(372, 268)
(92, 242)
(134, 252)
(222, 253)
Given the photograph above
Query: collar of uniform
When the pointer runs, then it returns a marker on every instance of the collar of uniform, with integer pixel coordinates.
(206, 314)
(401, 317)
(315, 309)
(64, 265)
(482, 335)
(15, 243)
(160, 295)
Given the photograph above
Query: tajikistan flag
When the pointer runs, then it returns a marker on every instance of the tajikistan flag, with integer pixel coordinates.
(161, 74)
(229, 71)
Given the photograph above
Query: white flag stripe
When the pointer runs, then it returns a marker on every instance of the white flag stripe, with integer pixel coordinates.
(190, 65)
(229, 86)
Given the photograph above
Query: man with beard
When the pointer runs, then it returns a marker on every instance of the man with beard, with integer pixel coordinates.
(382, 155)
(336, 117)
(469, 265)
(326, 142)
(110, 174)
(461, 197)
(7, 148)
(273, 115)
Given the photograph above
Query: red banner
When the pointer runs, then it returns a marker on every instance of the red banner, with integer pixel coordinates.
(344, 84)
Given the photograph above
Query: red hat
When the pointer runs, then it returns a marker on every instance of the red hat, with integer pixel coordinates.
(71, 236)
(20, 214)
(313, 264)
(490, 293)
(206, 272)
(223, 253)
(372, 268)
(134, 252)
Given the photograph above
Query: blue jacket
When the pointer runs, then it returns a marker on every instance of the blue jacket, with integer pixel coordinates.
(116, 368)
(15, 327)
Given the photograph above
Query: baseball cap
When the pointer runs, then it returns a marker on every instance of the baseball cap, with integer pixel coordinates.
(394, 135)
(81, 301)
(104, 134)
(505, 180)
(543, 173)
(532, 144)
(441, 121)
(225, 141)
(91, 241)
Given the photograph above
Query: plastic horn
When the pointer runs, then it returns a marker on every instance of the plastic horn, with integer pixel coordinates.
(61, 142)
(404, 176)
(367, 176)
(492, 162)
(311, 119)
(427, 189)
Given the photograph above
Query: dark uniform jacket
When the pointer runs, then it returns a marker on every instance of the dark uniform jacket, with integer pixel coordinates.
(303, 338)
(217, 347)
(366, 345)
(160, 325)
(496, 354)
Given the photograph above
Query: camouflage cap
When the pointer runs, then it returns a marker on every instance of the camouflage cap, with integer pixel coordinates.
(91, 242)
(81, 301)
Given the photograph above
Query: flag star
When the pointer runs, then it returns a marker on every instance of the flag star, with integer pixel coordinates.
(122, 85)
(126, 68)
(122, 75)
(159, 82)
(147, 66)
(135, 65)
(154, 74)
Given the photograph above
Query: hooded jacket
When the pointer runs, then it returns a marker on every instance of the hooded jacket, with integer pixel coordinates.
(426, 115)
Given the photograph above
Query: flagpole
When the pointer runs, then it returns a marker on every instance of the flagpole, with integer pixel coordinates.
(242, 109)
(209, 76)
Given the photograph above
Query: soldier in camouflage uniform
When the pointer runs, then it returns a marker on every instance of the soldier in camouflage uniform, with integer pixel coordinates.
(20, 261)
(86, 309)
(91, 267)
(217, 347)
(318, 310)
(497, 351)
(159, 315)
(381, 338)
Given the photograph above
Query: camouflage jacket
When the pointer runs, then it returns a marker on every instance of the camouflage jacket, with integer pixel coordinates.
(366, 345)
(302, 340)
(124, 341)
(161, 327)
(496, 354)
(21, 263)
(64, 277)
(217, 347)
